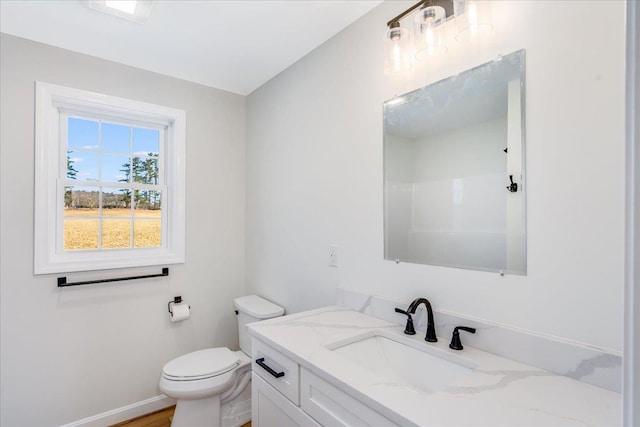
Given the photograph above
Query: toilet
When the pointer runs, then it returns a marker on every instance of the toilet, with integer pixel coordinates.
(212, 386)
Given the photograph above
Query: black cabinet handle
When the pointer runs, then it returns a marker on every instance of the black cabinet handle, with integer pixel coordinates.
(268, 369)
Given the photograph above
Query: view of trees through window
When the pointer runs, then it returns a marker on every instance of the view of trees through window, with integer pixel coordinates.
(112, 192)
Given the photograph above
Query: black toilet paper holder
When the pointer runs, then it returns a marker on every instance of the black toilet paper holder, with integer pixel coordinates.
(176, 300)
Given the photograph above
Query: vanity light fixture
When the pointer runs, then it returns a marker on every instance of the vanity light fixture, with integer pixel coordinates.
(473, 19)
(428, 38)
(132, 10)
(428, 31)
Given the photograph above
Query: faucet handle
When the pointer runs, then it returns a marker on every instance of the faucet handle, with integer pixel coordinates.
(456, 344)
(408, 329)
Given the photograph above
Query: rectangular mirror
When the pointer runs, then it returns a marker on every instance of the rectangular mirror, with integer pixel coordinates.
(454, 183)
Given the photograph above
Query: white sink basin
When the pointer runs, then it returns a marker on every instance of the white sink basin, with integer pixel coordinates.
(401, 360)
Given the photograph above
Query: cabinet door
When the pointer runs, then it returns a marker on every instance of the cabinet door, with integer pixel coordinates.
(332, 407)
(271, 409)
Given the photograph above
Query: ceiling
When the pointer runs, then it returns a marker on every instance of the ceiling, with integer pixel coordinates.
(231, 45)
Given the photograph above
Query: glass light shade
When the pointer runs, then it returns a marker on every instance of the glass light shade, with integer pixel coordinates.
(397, 51)
(474, 19)
(429, 31)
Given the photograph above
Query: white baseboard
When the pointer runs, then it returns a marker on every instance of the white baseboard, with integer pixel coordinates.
(125, 413)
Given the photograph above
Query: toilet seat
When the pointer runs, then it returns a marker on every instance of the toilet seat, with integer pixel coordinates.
(199, 385)
(201, 364)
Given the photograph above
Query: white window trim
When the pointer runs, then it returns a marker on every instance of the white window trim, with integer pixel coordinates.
(51, 100)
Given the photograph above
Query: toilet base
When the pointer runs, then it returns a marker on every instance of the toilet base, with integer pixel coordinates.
(209, 413)
(229, 409)
(237, 412)
(197, 413)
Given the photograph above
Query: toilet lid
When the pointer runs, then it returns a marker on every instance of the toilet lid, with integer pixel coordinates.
(202, 364)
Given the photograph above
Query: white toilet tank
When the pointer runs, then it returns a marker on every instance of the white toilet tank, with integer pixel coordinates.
(253, 308)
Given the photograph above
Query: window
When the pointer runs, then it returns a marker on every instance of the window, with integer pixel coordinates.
(110, 182)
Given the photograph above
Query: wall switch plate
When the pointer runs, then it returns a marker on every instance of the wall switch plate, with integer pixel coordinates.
(333, 256)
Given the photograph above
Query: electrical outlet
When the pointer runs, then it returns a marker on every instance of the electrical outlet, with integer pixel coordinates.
(333, 256)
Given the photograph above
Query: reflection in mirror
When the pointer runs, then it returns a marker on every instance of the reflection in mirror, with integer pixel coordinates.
(451, 152)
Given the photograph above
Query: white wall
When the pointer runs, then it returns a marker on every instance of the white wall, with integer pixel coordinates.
(76, 352)
(314, 174)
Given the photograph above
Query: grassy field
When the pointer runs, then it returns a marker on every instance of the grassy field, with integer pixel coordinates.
(81, 228)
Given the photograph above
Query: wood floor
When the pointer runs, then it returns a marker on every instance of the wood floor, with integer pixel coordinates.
(161, 418)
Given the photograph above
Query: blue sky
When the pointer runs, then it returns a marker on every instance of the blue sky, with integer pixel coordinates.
(84, 143)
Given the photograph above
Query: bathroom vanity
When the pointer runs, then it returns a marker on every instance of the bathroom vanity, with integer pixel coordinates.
(334, 366)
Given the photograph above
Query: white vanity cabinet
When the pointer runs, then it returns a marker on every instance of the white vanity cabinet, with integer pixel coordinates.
(330, 406)
(269, 408)
(275, 389)
(285, 394)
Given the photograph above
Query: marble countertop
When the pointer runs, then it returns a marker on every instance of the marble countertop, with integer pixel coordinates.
(499, 392)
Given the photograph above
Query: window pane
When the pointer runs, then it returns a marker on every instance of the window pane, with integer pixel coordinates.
(116, 138)
(80, 233)
(147, 225)
(115, 168)
(115, 202)
(82, 134)
(84, 164)
(148, 204)
(116, 233)
(146, 141)
(83, 201)
(147, 233)
(80, 218)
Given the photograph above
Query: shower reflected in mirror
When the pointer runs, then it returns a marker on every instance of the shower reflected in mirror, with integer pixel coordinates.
(453, 194)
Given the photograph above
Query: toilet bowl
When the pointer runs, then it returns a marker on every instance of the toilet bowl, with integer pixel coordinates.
(211, 386)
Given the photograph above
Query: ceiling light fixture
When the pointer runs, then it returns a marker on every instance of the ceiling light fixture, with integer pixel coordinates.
(126, 6)
(131, 10)
(429, 35)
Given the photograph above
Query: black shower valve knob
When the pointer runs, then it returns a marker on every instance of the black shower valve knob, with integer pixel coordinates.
(513, 187)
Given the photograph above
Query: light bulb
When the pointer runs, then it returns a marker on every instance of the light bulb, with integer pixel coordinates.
(397, 48)
(397, 65)
(472, 17)
(428, 29)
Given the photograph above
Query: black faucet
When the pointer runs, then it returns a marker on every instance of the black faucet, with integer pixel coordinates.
(431, 328)
(456, 344)
(408, 329)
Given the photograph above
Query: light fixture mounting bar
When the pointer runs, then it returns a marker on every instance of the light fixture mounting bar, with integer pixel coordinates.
(447, 5)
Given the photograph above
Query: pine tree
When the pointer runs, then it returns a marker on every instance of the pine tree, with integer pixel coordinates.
(71, 174)
(126, 194)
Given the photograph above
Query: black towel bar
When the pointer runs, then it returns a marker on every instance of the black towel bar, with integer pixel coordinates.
(62, 281)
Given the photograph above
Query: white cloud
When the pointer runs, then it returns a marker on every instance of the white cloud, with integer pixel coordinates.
(142, 153)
